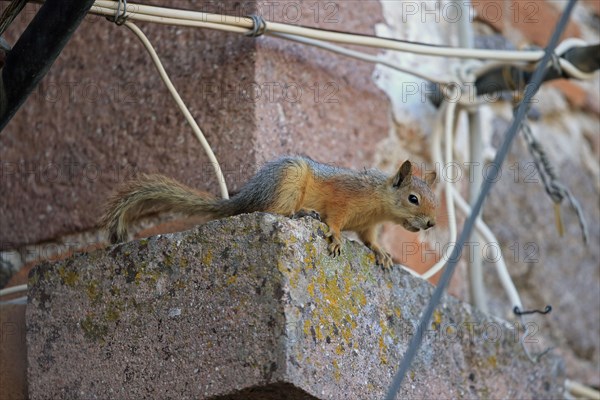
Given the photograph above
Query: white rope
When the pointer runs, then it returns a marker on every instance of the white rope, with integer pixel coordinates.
(449, 114)
(158, 14)
(364, 57)
(108, 11)
(237, 24)
(182, 106)
(567, 66)
(317, 43)
(581, 391)
(489, 237)
(449, 109)
(18, 301)
(13, 289)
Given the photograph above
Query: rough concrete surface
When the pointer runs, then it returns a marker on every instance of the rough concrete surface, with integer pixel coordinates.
(254, 304)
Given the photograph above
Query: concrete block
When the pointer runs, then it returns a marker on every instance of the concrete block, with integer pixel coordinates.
(253, 306)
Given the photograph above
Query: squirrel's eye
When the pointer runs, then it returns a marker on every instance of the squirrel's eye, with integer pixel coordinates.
(413, 199)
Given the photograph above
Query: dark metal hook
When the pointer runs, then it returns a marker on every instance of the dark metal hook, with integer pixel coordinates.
(518, 311)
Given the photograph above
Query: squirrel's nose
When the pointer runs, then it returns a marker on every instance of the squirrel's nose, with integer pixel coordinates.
(430, 224)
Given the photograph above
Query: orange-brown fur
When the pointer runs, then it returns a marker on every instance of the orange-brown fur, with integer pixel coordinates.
(344, 199)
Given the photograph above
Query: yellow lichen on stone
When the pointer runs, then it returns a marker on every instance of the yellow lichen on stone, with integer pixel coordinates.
(360, 296)
(470, 328)
(183, 263)
(385, 332)
(346, 332)
(92, 329)
(311, 255)
(437, 319)
(94, 295)
(207, 259)
(381, 344)
(180, 284)
(293, 274)
(113, 313)
(168, 260)
(306, 328)
(319, 333)
(70, 278)
(382, 351)
(281, 268)
(338, 300)
(336, 371)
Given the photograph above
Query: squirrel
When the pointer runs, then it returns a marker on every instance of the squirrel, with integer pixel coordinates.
(293, 186)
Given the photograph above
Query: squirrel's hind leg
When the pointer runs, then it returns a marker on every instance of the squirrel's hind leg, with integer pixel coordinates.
(291, 190)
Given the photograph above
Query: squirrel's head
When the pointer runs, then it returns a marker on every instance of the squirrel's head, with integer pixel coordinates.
(414, 201)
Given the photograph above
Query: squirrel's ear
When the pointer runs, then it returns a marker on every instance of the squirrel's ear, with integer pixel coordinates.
(429, 178)
(403, 173)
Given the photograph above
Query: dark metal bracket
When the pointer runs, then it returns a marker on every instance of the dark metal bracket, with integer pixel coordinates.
(36, 50)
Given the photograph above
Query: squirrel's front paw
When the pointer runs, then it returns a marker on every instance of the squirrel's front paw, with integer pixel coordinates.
(306, 213)
(383, 258)
(335, 244)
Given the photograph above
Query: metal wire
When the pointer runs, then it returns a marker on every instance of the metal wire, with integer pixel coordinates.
(530, 91)
(555, 189)
(120, 16)
(10, 13)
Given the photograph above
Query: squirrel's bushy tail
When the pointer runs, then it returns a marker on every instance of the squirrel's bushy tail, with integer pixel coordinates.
(155, 193)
